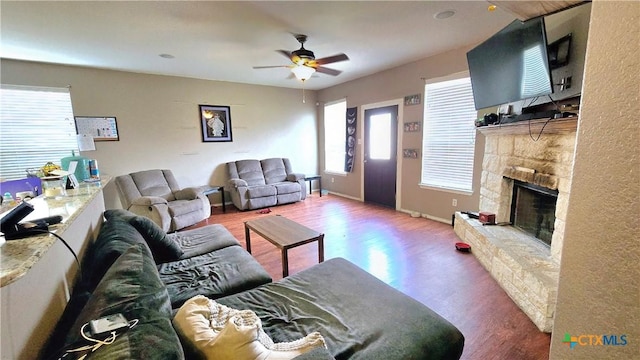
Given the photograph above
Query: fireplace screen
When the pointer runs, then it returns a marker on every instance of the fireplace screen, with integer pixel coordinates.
(533, 210)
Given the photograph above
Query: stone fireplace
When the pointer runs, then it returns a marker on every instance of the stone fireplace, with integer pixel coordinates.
(526, 267)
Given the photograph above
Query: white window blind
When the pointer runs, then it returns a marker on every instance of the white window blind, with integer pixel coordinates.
(335, 116)
(36, 126)
(449, 135)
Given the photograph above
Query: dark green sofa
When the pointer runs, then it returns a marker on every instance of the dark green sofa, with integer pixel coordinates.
(136, 269)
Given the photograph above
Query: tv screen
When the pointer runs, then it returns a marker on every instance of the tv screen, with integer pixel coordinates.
(512, 65)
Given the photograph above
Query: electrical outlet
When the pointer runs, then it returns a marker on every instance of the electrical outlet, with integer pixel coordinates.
(454, 202)
(333, 180)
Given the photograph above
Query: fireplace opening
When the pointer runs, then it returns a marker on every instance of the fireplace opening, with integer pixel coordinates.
(533, 210)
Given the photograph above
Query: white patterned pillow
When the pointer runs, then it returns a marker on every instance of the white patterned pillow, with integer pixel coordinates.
(220, 333)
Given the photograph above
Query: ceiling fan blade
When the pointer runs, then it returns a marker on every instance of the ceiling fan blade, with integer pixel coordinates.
(286, 53)
(332, 59)
(328, 71)
(271, 67)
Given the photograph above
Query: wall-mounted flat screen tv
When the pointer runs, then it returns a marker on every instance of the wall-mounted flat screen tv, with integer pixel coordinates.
(512, 65)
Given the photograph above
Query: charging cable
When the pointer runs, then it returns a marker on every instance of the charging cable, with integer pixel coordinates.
(95, 344)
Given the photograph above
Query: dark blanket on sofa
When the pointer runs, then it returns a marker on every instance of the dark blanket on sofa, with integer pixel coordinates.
(359, 316)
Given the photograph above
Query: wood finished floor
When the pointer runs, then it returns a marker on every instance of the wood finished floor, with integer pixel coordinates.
(414, 255)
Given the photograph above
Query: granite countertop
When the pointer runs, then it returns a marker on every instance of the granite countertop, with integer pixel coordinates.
(18, 256)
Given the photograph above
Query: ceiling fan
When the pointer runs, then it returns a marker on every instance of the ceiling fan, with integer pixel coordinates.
(304, 63)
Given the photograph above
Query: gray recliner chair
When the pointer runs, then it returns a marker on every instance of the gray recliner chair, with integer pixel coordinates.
(156, 195)
(255, 184)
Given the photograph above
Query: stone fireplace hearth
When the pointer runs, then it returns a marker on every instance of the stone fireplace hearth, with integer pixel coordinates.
(526, 268)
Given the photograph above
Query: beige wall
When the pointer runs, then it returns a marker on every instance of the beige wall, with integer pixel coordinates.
(391, 85)
(158, 121)
(599, 291)
(408, 80)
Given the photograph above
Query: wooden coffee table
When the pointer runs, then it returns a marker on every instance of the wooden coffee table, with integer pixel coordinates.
(285, 234)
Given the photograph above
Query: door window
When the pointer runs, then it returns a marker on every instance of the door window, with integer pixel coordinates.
(380, 141)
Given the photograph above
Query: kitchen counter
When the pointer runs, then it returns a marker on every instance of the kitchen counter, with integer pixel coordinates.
(17, 257)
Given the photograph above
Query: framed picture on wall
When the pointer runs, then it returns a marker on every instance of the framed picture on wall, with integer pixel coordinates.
(412, 100)
(101, 128)
(412, 127)
(410, 153)
(215, 121)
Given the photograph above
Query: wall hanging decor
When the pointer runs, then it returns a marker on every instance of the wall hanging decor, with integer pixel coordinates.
(350, 146)
(215, 121)
(410, 153)
(412, 100)
(411, 127)
(101, 128)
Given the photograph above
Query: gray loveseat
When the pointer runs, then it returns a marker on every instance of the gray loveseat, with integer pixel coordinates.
(255, 184)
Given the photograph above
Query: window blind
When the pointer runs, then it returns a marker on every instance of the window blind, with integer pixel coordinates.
(36, 126)
(449, 135)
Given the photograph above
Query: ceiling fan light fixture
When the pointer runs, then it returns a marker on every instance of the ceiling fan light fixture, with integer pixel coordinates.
(302, 72)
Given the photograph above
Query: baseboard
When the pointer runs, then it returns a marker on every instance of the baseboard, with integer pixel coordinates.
(426, 216)
(435, 218)
(344, 196)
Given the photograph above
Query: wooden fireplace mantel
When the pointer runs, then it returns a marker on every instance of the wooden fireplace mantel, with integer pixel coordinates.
(533, 127)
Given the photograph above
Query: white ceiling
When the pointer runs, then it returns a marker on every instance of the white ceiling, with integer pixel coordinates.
(223, 40)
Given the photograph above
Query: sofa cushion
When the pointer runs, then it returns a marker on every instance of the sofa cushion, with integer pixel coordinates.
(358, 315)
(263, 202)
(219, 273)
(132, 287)
(274, 170)
(258, 191)
(250, 171)
(203, 240)
(288, 188)
(163, 248)
(181, 207)
(288, 198)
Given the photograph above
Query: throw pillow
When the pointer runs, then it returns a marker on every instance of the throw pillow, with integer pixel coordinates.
(219, 333)
(114, 238)
(163, 248)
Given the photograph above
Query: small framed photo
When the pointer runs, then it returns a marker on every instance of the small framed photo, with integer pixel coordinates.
(410, 153)
(215, 121)
(412, 127)
(412, 100)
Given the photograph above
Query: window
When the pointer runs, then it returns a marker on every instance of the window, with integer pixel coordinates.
(380, 141)
(36, 126)
(449, 135)
(335, 136)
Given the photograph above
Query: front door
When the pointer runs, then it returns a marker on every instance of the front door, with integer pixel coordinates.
(380, 148)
